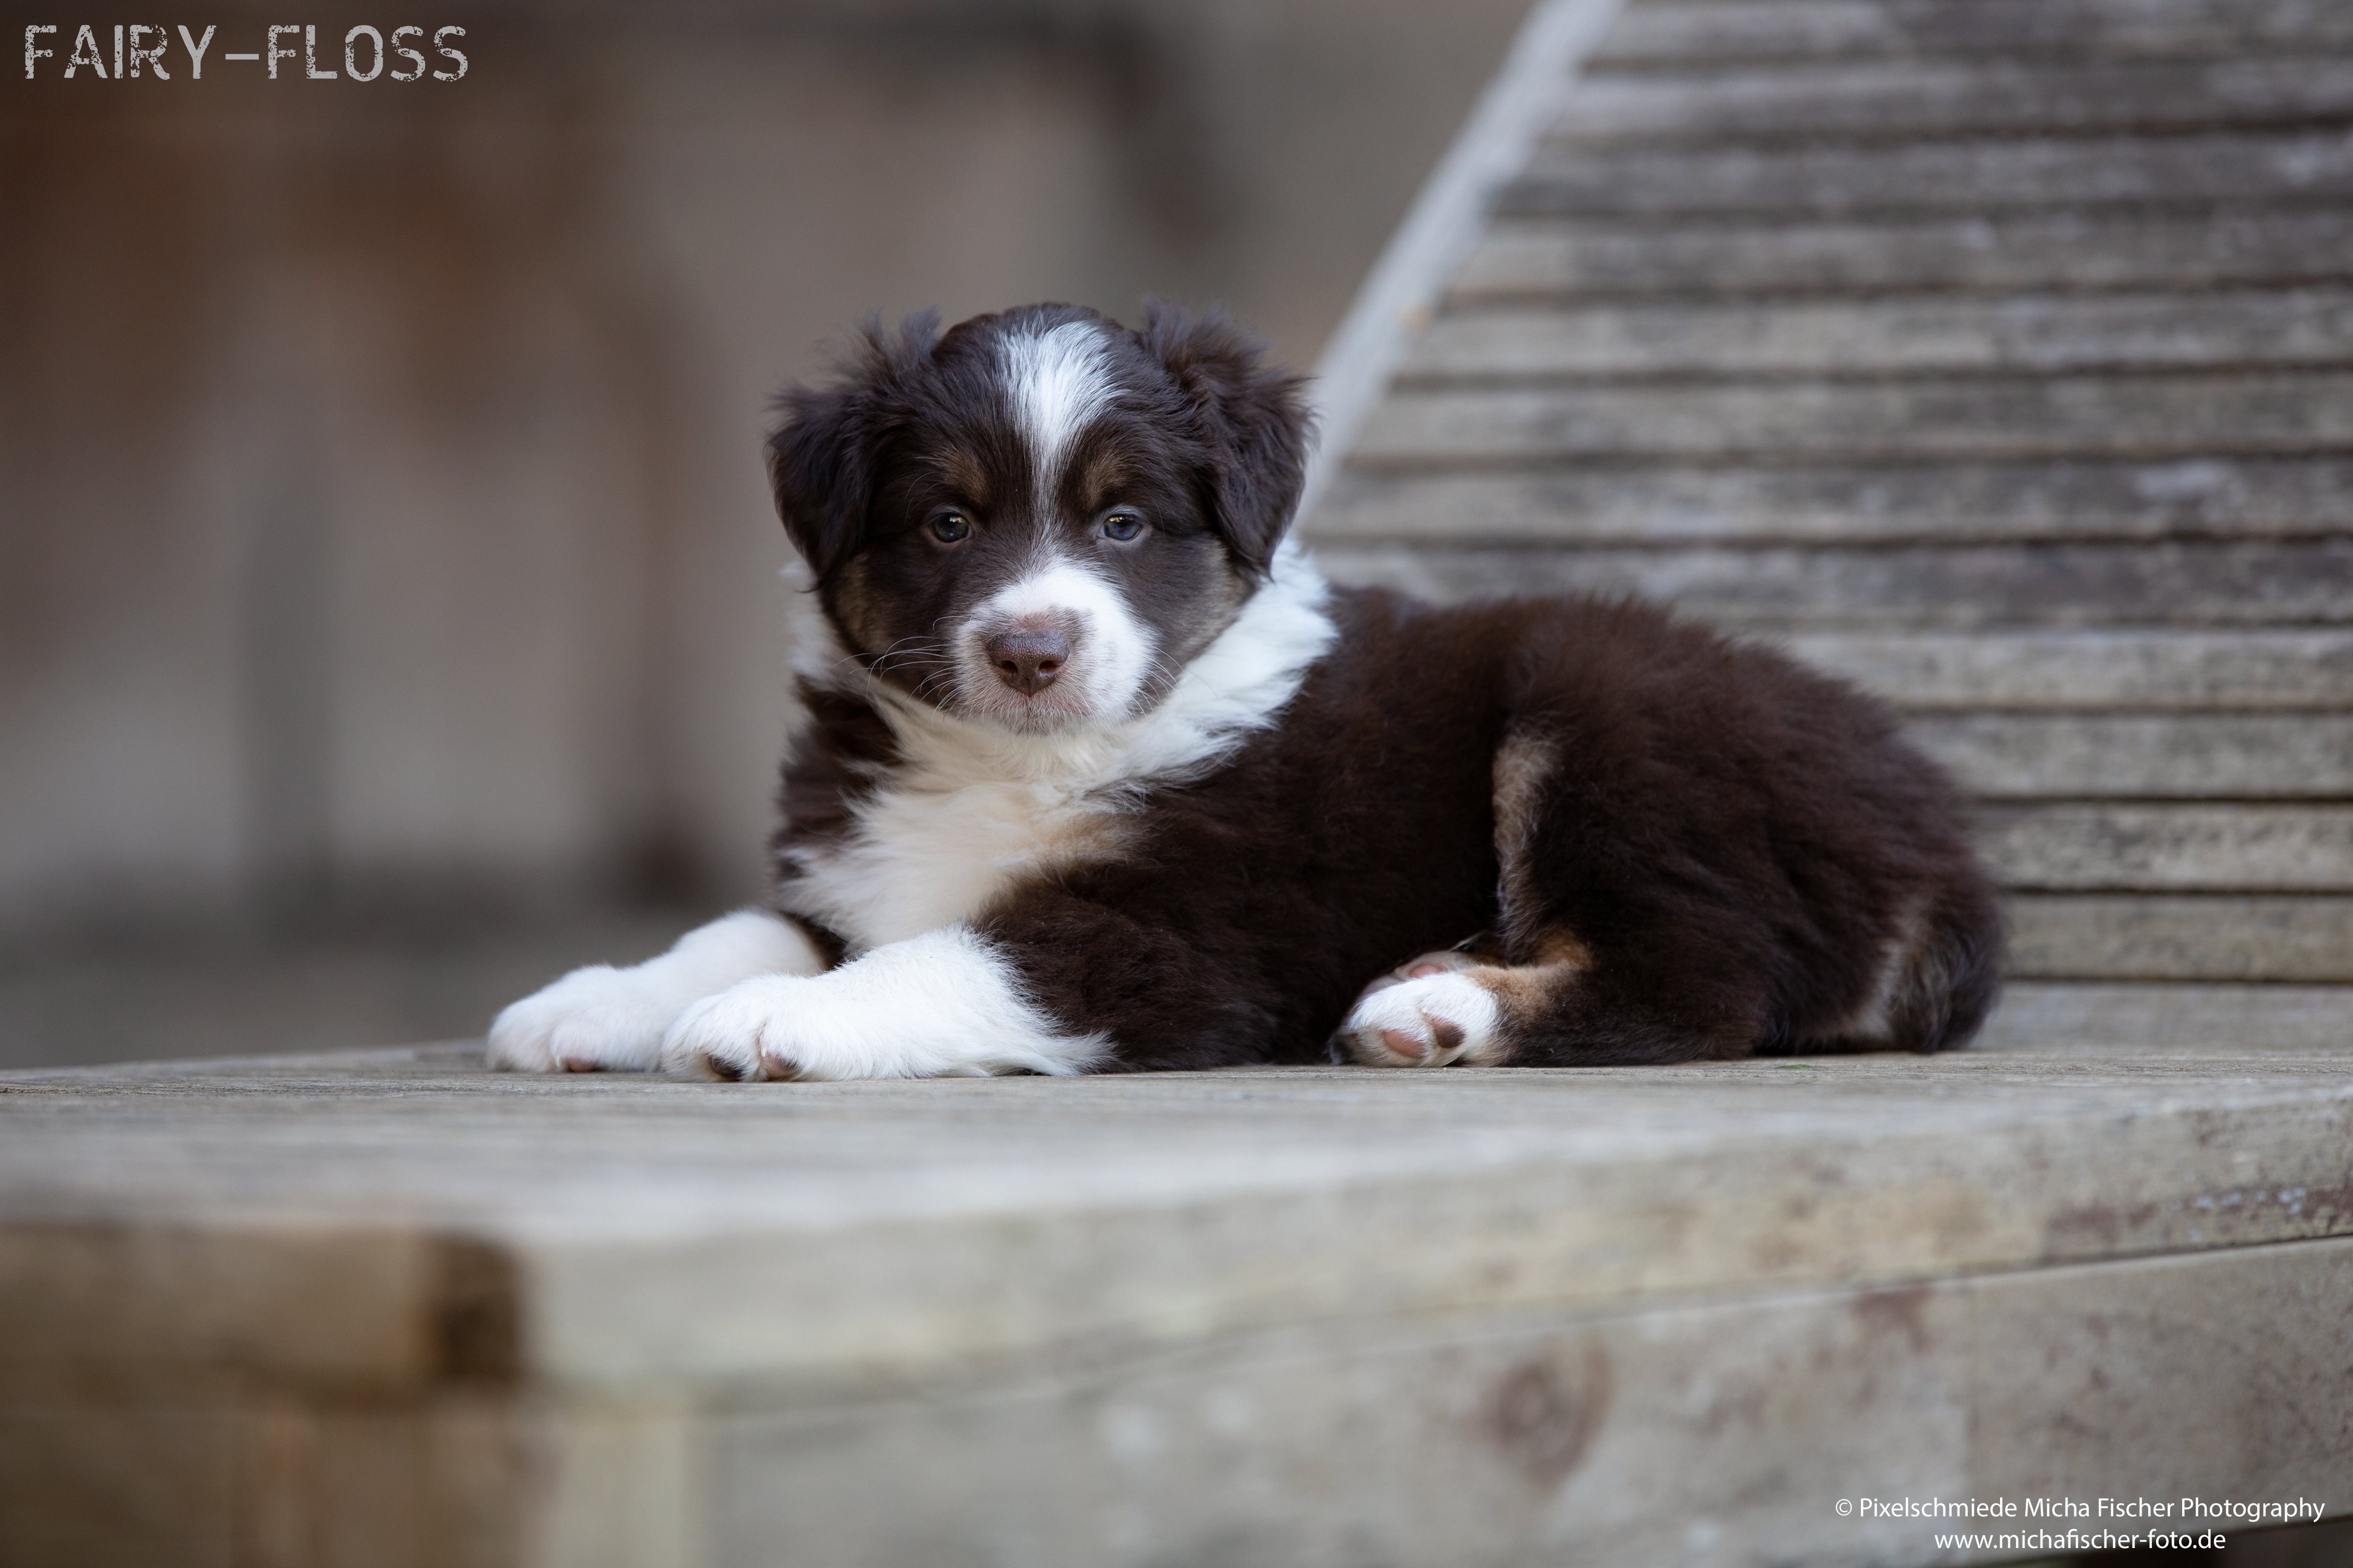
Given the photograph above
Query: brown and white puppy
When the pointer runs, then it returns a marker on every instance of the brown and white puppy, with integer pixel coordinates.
(1099, 776)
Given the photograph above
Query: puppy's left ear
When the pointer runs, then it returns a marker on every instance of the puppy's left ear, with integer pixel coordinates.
(1253, 417)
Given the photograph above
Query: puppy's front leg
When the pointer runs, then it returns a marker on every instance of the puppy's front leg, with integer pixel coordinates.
(948, 1004)
(601, 1018)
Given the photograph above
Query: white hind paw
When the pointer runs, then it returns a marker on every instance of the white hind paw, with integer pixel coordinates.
(1424, 1014)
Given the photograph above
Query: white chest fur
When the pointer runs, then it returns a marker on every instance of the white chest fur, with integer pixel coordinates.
(972, 810)
(929, 852)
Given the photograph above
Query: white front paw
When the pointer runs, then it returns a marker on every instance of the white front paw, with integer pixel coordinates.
(1425, 1014)
(592, 1020)
(728, 1035)
(756, 1030)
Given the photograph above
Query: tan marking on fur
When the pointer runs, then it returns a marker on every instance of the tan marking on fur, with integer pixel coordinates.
(1557, 948)
(856, 608)
(1106, 471)
(1522, 991)
(1068, 839)
(1524, 764)
(1873, 1018)
(964, 473)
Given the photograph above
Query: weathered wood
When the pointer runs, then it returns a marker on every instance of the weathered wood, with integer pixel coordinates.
(1679, 33)
(2058, 333)
(2152, 415)
(2176, 757)
(1918, 586)
(2146, 936)
(2125, 846)
(1940, 177)
(1554, 259)
(1462, 1440)
(812, 1240)
(2244, 1023)
(2260, 498)
(1512, 1442)
(2174, 670)
(1886, 100)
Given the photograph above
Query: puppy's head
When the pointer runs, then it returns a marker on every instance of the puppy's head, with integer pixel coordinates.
(1037, 517)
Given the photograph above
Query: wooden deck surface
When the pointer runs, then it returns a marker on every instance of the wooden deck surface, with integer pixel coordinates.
(384, 1306)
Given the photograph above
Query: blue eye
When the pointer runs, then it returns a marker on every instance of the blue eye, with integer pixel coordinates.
(1121, 526)
(950, 526)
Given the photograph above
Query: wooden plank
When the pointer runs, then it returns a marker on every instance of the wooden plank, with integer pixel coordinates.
(2247, 584)
(2116, 756)
(1592, 1439)
(825, 1240)
(1967, 177)
(1525, 258)
(2076, 670)
(2237, 1021)
(2058, 333)
(1876, 100)
(2146, 936)
(2125, 848)
(2169, 415)
(1679, 33)
(2261, 497)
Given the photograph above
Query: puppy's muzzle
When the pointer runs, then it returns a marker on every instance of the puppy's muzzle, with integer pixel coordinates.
(1028, 660)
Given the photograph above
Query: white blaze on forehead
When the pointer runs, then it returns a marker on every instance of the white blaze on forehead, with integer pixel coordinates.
(1061, 379)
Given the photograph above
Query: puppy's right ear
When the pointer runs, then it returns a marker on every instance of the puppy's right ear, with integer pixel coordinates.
(823, 456)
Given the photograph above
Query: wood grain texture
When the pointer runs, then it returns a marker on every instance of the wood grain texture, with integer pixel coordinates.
(2172, 416)
(2148, 936)
(2226, 245)
(2154, 1019)
(1955, 502)
(1914, 98)
(2134, 669)
(1971, 177)
(2060, 334)
(1918, 586)
(1557, 1307)
(2125, 846)
(2012, 756)
(1678, 33)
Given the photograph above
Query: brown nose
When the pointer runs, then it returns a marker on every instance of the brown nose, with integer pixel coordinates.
(1028, 662)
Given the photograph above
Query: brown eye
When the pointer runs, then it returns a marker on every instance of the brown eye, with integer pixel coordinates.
(950, 526)
(1121, 526)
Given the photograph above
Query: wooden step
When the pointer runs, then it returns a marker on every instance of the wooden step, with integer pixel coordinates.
(2060, 333)
(2106, 847)
(1912, 99)
(382, 1308)
(2168, 415)
(2020, 756)
(2136, 669)
(2244, 1022)
(1920, 586)
(2170, 937)
(1970, 177)
(1680, 33)
(2263, 498)
(2225, 245)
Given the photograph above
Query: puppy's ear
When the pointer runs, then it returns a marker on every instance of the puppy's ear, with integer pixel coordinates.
(824, 454)
(1253, 417)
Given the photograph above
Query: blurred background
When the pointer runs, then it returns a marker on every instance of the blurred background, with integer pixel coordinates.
(389, 610)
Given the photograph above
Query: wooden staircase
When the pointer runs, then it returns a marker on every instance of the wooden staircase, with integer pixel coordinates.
(1998, 356)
